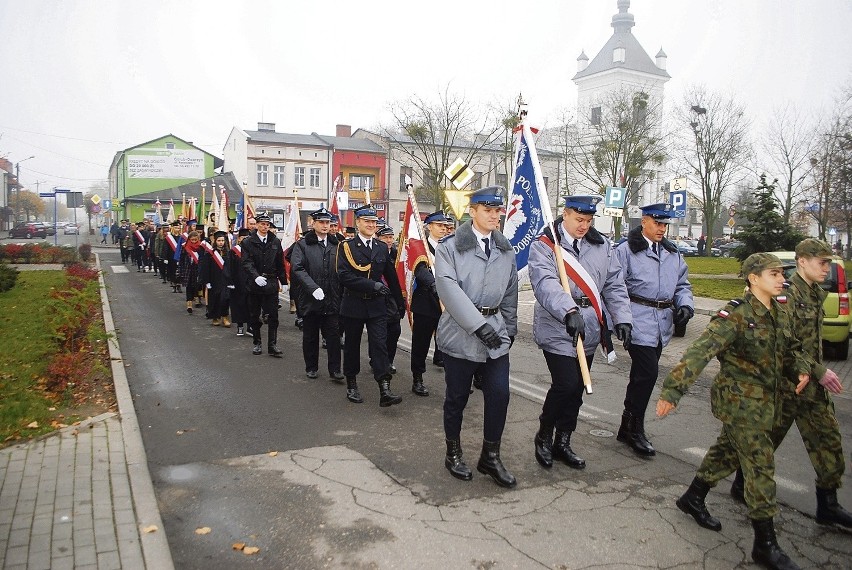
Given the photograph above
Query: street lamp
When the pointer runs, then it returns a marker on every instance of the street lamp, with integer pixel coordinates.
(18, 184)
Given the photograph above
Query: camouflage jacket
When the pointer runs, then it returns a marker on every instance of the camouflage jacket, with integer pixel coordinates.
(754, 346)
(804, 303)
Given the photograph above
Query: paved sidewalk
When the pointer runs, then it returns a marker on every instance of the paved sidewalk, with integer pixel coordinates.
(81, 497)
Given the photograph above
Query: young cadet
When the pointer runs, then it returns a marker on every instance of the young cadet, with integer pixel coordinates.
(367, 276)
(812, 409)
(263, 265)
(395, 315)
(561, 318)
(477, 280)
(758, 352)
(657, 281)
(215, 273)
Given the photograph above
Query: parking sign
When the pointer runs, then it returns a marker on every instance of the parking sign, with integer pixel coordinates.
(677, 198)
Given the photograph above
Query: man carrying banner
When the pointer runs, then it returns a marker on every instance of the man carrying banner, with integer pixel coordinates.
(561, 318)
(477, 280)
(657, 281)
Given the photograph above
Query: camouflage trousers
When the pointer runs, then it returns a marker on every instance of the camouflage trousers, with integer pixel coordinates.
(752, 450)
(813, 412)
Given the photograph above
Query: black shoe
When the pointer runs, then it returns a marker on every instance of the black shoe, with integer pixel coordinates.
(490, 464)
(439, 362)
(386, 397)
(738, 487)
(324, 344)
(337, 377)
(766, 550)
(829, 510)
(454, 462)
(632, 432)
(274, 351)
(392, 368)
(312, 374)
(300, 324)
(692, 503)
(352, 393)
(417, 387)
(563, 452)
(477, 380)
(256, 349)
(544, 446)
(241, 330)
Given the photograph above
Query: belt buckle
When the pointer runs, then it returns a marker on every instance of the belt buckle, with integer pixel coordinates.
(485, 311)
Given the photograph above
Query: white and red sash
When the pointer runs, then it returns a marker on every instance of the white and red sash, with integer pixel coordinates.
(206, 245)
(238, 251)
(580, 277)
(170, 239)
(217, 257)
(139, 237)
(193, 255)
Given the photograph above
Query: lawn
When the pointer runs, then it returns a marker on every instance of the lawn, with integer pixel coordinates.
(722, 289)
(712, 265)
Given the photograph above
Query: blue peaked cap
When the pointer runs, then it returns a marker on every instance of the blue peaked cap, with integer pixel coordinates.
(492, 196)
(660, 212)
(583, 204)
(366, 213)
(321, 214)
(436, 217)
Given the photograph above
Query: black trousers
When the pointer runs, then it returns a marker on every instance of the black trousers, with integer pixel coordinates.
(269, 305)
(394, 332)
(563, 400)
(171, 271)
(311, 327)
(377, 332)
(644, 369)
(422, 329)
(495, 391)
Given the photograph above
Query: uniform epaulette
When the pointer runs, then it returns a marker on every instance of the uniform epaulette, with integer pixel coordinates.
(733, 303)
(445, 238)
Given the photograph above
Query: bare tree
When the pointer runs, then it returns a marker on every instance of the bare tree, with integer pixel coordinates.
(561, 140)
(620, 143)
(830, 196)
(432, 134)
(718, 149)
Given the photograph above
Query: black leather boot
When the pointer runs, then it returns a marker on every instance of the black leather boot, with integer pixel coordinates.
(692, 503)
(544, 446)
(255, 349)
(624, 429)
(490, 464)
(386, 397)
(563, 452)
(738, 487)
(352, 393)
(632, 432)
(417, 386)
(272, 347)
(829, 510)
(454, 462)
(766, 550)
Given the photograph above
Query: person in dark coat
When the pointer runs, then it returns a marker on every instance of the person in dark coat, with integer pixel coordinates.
(313, 275)
(263, 264)
(190, 258)
(215, 274)
(367, 275)
(239, 294)
(394, 313)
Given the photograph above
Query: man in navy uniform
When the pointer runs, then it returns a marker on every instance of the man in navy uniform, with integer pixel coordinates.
(425, 306)
(561, 318)
(477, 280)
(263, 265)
(385, 235)
(657, 281)
(367, 275)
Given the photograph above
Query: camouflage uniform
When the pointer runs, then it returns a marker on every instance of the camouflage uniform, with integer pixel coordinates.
(813, 409)
(753, 345)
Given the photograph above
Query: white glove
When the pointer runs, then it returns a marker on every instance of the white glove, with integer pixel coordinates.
(166, 261)
(260, 280)
(318, 294)
(285, 288)
(230, 286)
(209, 285)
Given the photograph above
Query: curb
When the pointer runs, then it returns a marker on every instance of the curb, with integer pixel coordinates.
(155, 546)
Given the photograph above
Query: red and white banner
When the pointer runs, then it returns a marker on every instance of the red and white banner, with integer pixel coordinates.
(410, 251)
(338, 185)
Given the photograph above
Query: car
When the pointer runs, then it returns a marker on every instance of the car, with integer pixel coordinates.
(28, 230)
(49, 230)
(685, 248)
(837, 319)
(728, 249)
(71, 229)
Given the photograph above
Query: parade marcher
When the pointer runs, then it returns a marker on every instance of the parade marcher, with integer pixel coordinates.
(313, 274)
(812, 409)
(263, 264)
(127, 243)
(157, 249)
(121, 235)
(367, 275)
(561, 318)
(477, 280)
(425, 306)
(395, 315)
(113, 231)
(215, 274)
(170, 254)
(349, 232)
(150, 262)
(190, 258)
(139, 239)
(239, 294)
(657, 281)
(757, 351)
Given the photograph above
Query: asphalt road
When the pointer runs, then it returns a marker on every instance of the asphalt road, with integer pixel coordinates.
(208, 409)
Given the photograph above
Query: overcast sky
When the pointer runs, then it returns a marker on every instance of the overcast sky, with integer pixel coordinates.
(83, 79)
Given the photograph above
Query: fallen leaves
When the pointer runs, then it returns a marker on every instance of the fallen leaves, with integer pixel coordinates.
(203, 530)
(32, 425)
(150, 528)
(248, 550)
(273, 453)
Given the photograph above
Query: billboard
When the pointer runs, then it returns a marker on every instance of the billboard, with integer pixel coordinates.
(165, 163)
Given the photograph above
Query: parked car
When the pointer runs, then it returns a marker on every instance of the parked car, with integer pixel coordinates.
(71, 229)
(28, 230)
(49, 230)
(837, 320)
(686, 249)
(727, 250)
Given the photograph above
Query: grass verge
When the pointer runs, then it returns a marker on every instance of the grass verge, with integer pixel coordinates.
(712, 265)
(722, 289)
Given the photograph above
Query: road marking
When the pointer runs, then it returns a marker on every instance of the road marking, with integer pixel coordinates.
(119, 269)
(780, 481)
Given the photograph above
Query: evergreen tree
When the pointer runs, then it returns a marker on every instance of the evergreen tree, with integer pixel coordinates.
(766, 229)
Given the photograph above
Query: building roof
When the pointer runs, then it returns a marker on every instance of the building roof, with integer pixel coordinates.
(353, 144)
(193, 190)
(635, 56)
(285, 138)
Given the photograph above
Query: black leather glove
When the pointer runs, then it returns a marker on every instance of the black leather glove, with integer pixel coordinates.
(682, 315)
(402, 311)
(624, 333)
(489, 336)
(511, 341)
(575, 326)
(381, 288)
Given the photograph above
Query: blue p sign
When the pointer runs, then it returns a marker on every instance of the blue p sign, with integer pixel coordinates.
(614, 197)
(677, 199)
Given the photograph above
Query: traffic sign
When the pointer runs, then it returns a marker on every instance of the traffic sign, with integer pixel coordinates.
(107, 204)
(677, 198)
(96, 199)
(96, 209)
(832, 232)
(731, 222)
(46, 195)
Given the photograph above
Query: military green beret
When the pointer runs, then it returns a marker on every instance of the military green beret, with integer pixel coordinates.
(812, 247)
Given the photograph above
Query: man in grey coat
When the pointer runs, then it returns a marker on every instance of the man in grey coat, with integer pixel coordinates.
(477, 281)
(657, 281)
(561, 318)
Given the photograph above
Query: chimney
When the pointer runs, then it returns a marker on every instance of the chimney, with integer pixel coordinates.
(343, 130)
(661, 59)
(268, 127)
(582, 61)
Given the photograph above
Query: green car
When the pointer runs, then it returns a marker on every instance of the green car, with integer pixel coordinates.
(837, 320)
